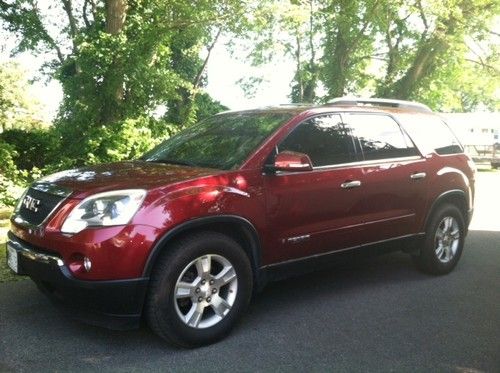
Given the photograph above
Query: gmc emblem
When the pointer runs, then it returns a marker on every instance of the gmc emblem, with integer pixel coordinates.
(31, 203)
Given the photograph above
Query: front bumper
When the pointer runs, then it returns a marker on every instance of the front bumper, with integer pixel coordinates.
(115, 304)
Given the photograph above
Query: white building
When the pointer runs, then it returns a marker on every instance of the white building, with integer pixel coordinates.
(475, 128)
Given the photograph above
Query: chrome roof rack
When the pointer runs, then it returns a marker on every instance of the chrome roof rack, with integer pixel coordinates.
(296, 104)
(384, 102)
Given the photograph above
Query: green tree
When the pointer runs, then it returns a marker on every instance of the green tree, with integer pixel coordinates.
(118, 60)
(279, 31)
(427, 49)
(406, 49)
(17, 108)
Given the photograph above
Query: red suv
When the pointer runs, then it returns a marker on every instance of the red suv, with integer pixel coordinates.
(186, 233)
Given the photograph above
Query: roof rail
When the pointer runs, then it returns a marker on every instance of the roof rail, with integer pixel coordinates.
(341, 101)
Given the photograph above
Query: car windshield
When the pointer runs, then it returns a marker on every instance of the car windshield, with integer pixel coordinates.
(223, 141)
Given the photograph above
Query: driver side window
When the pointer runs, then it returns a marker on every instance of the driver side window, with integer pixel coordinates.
(325, 139)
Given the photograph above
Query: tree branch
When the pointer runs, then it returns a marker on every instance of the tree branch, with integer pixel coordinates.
(377, 56)
(181, 24)
(299, 69)
(72, 22)
(367, 21)
(52, 43)
(422, 16)
(485, 65)
(48, 39)
(27, 22)
(311, 32)
(94, 8)
(476, 53)
(84, 14)
(198, 77)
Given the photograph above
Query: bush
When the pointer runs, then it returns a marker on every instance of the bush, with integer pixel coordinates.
(119, 141)
(35, 148)
(11, 179)
(127, 139)
(27, 155)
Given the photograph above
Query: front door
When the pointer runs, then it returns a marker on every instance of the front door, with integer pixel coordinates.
(321, 210)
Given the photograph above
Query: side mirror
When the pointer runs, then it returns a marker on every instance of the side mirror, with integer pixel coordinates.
(291, 162)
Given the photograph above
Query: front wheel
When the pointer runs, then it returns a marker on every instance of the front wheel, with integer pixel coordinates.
(444, 241)
(199, 289)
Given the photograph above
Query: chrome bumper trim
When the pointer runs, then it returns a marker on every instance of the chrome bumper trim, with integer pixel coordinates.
(35, 255)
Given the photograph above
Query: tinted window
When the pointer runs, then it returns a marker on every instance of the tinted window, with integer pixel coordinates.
(379, 137)
(223, 141)
(432, 133)
(324, 139)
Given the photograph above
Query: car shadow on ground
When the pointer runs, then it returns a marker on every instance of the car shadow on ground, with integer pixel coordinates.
(349, 274)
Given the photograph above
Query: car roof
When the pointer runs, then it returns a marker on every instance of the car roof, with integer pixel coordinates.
(371, 105)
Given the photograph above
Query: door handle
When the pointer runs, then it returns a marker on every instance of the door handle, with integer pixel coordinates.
(418, 175)
(351, 184)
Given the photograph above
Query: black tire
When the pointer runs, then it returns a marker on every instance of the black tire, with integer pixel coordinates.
(428, 259)
(162, 309)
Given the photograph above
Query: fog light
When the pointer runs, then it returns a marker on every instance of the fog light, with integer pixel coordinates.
(87, 264)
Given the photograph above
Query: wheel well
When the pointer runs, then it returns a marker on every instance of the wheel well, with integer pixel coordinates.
(454, 198)
(243, 233)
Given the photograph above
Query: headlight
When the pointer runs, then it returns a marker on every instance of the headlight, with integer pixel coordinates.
(104, 209)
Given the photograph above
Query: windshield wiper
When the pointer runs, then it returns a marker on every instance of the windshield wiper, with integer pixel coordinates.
(172, 161)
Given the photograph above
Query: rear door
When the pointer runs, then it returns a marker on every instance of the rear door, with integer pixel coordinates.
(394, 176)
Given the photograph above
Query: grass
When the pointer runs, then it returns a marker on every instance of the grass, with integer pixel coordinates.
(5, 273)
(485, 167)
(492, 170)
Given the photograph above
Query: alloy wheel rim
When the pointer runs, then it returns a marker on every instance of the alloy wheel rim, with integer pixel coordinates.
(205, 291)
(447, 239)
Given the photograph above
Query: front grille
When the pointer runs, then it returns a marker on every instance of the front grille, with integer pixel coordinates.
(48, 202)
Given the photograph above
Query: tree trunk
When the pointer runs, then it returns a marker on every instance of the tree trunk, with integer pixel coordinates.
(300, 85)
(423, 64)
(113, 90)
(309, 88)
(339, 62)
(116, 11)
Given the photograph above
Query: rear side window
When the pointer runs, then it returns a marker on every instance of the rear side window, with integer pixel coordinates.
(432, 133)
(379, 136)
(323, 138)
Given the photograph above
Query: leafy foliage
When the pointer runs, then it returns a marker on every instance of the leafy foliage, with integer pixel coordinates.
(427, 50)
(17, 108)
(118, 61)
(8, 173)
(12, 180)
(31, 148)
(122, 62)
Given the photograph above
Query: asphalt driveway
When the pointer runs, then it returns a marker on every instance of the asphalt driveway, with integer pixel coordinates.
(373, 314)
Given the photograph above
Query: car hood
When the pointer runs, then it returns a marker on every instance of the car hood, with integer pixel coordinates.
(124, 175)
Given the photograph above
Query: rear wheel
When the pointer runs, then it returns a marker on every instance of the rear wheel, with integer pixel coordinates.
(199, 289)
(444, 241)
